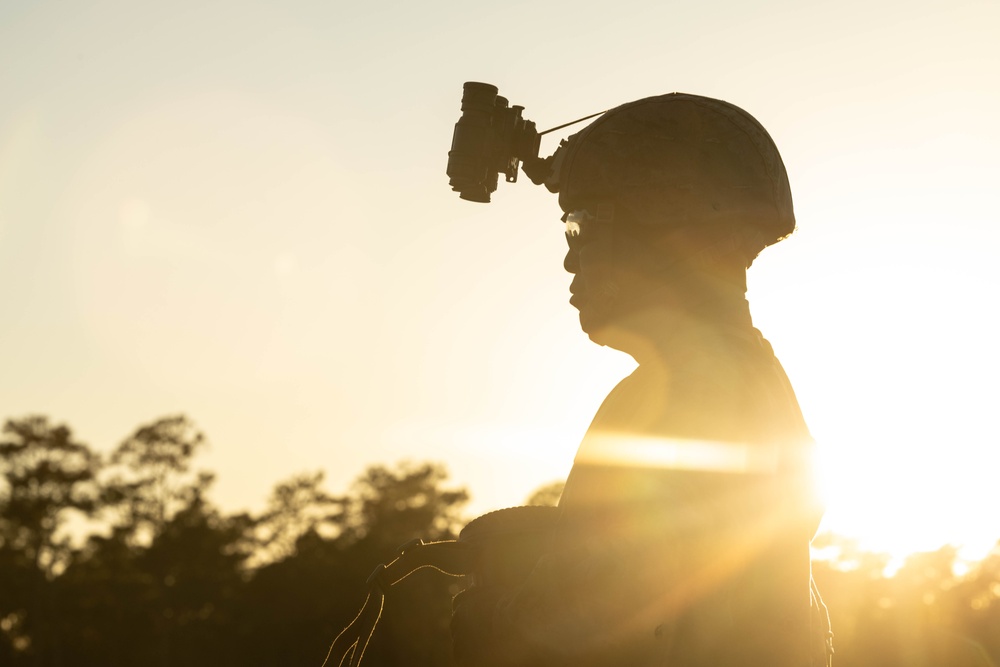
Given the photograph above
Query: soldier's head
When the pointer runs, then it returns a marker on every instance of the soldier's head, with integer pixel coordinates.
(667, 201)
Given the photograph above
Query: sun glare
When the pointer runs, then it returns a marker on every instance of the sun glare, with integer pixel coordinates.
(884, 500)
(698, 455)
(903, 501)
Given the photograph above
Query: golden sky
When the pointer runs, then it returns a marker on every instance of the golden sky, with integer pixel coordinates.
(239, 210)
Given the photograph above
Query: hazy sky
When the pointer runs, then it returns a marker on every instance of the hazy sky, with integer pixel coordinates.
(238, 210)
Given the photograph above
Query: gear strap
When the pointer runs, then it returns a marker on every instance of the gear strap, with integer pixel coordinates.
(450, 557)
(820, 615)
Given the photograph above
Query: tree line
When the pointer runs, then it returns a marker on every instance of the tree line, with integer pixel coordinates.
(124, 560)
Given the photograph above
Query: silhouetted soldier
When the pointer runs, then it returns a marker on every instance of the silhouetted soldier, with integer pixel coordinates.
(683, 532)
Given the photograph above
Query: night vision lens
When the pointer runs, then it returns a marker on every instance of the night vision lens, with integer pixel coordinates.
(470, 157)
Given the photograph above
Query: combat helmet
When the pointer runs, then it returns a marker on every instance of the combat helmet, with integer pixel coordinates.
(679, 160)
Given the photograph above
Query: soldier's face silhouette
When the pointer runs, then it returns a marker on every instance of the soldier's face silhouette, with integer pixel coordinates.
(614, 276)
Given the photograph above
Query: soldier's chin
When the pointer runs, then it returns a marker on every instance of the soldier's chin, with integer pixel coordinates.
(597, 325)
(612, 328)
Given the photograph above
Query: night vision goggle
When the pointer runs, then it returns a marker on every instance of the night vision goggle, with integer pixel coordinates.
(491, 138)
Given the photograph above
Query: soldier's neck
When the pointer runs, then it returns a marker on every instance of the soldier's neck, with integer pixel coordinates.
(666, 334)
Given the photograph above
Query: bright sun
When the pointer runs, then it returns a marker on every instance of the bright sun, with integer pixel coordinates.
(893, 358)
(900, 501)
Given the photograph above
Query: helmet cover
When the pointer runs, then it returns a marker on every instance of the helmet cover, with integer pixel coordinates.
(680, 160)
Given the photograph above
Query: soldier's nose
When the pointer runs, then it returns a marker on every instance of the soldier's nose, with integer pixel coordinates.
(572, 262)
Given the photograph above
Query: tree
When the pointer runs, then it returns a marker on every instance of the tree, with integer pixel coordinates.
(387, 507)
(46, 475)
(547, 495)
(163, 583)
(296, 506)
(923, 615)
(295, 606)
(195, 569)
(153, 480)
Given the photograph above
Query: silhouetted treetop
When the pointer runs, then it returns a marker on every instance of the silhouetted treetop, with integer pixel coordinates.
(151, 477)
(46, 474)
(548, 494)
(407, 502)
